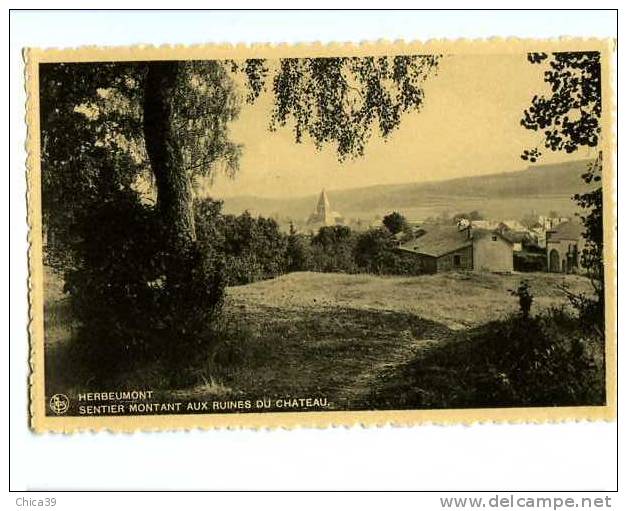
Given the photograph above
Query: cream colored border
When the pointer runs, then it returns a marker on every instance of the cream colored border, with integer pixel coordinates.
(41, 423)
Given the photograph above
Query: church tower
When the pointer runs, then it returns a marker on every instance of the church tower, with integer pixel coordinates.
(323, 214)
(323, 210)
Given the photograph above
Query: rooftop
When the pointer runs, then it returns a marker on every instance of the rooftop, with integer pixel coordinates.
(438, 240)
(571, 230)
(443, 239)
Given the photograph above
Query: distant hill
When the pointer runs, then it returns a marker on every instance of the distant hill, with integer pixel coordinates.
(540, 187)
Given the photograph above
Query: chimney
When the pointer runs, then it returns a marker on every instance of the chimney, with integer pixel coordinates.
(464, 225)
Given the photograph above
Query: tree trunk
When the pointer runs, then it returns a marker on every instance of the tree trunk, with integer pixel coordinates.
(174, 186)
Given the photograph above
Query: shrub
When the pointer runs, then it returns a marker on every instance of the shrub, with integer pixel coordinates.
(376, 252)
(538, 361)
(253, 248)
(590, 310)
(530, 261)
(525, 298)
(372, 249)
(332, 250)
(297, 252)
(398, 263)
(243, 269)
(542, 360)
(136, 298)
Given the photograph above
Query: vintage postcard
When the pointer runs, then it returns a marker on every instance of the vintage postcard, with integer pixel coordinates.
(311, 235)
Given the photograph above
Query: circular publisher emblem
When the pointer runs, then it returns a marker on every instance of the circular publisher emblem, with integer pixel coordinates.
(59, 404)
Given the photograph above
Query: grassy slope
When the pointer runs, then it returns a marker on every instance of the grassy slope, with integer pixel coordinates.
(333, 335)
(456, 300)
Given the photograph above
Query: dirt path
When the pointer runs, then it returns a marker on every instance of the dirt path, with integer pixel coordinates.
(357, 390)
(336, 352)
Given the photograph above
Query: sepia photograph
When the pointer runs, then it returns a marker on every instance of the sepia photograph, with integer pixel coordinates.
(271, 232)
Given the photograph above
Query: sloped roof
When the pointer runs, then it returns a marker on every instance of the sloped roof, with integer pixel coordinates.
(438, 240)
(514, 236)
(571, 230)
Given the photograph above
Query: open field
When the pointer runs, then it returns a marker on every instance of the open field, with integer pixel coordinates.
(456, 300)
(323, 335)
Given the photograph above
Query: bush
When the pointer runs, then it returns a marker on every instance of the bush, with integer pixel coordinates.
(253, 248)
(376, 252)
(243, 269)
(590, 310)
(372, 249)
(525, 298)
(540, 361)
(297, 252)
(530, 261)
(398, 263)
(519, 361)
(136, 298)
(332, 250)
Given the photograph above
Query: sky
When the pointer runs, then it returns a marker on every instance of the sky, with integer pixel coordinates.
(469, 125)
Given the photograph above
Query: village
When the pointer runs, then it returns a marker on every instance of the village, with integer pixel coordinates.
(549, 243)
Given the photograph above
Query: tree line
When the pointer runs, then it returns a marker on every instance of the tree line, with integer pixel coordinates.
(255, 249)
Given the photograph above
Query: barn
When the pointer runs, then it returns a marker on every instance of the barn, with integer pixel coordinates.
(447, 247)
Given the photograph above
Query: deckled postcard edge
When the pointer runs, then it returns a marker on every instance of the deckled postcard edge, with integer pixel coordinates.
(40, 423)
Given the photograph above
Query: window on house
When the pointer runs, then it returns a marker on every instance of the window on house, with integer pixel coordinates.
(457, 261)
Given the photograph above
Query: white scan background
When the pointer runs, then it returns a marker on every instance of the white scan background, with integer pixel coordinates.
(550, 456)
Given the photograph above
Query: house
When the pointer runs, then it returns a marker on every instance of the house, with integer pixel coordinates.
(550, 222)
(323, 215)
(564, 245)
(447, 247)
(544, 224)
(492, 251)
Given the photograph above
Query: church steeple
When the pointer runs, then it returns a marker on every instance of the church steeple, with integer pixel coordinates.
(323, 214)
(323, 208)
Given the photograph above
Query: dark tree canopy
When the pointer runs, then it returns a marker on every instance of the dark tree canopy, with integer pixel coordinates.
(395, 222)
(107, 124)
(94, 135)
(569, 116)
(341, 100)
